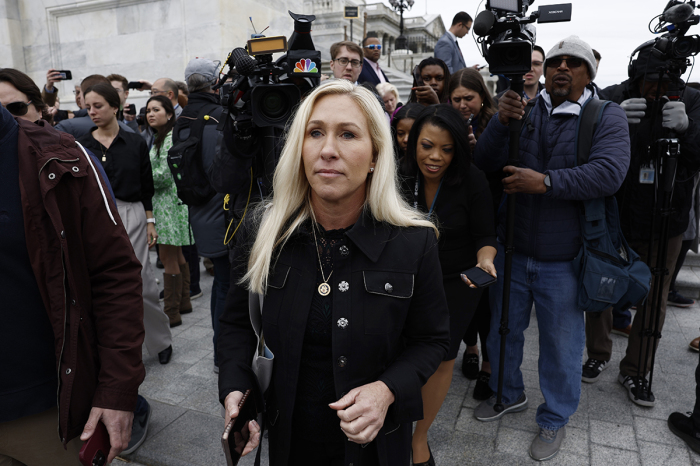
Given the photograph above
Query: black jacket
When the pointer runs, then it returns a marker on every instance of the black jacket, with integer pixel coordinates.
(636, 200)
(208, 221)
(398, 334)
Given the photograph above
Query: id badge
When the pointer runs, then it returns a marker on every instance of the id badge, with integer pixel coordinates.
(647, 175)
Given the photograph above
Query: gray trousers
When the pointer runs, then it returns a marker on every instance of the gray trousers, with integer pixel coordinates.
(155, 321)
(598, 326)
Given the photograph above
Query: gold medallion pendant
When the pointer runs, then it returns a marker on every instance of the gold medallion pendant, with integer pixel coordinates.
(324, 289)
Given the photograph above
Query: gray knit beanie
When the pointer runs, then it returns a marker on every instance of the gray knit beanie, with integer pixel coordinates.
(575, 47)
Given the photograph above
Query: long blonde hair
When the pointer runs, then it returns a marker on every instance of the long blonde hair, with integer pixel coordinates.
(291, 189)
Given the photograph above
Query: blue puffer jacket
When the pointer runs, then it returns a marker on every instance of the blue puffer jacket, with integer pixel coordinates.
(547, 225)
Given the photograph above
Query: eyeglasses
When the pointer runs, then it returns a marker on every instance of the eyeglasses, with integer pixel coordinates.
(119, 90)
(157, 92)
(344, 62)
(571, 62)
(373, 47)
(76, 91)
(18, 108)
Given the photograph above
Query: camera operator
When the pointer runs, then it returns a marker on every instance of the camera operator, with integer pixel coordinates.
(207, 220)
(548, 187)
(636, 200)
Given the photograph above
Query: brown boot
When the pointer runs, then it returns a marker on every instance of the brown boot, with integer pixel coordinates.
(172, 294)
(185, 304)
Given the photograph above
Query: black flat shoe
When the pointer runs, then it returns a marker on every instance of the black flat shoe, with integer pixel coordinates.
(430, 462)
(470, 365)
(482, 391)
(164, 356)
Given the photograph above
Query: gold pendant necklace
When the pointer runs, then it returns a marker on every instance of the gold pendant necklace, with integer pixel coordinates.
(324, 289)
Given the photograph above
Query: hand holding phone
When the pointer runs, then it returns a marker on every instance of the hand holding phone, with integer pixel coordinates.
(242, 433)
(478, 277)
(96, 450)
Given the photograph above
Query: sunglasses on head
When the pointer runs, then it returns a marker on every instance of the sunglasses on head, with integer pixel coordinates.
(373, 47)
(18, 108)
(571, 62)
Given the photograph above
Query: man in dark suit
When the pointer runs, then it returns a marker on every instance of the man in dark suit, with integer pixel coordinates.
(447, 48)
(371, 72)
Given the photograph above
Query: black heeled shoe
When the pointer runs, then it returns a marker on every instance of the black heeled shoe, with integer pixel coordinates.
(164, 356)
(430, 462)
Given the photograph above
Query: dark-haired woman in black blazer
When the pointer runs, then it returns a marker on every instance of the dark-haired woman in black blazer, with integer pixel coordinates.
(441, 182)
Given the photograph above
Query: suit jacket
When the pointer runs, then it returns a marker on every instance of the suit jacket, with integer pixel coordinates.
(446, 50)
(368, 74)
(396, 327)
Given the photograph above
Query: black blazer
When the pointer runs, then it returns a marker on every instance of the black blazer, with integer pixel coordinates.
(398, 328)
(368, 75)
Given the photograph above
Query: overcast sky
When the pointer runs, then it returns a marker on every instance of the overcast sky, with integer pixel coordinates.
(613, 27)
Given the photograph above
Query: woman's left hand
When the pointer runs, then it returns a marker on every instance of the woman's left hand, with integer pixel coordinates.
(362, 411)
(151, 235)
(487, 266)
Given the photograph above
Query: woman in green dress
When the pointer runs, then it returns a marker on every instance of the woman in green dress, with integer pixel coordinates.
(170, 213)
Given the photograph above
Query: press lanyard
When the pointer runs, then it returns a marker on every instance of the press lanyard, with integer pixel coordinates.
(415, 194)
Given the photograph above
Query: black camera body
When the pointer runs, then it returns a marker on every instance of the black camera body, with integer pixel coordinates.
(265, 93)
(676, 19)
(506, 33)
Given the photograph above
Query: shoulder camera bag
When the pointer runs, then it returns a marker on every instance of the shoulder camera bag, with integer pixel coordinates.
(610, 272)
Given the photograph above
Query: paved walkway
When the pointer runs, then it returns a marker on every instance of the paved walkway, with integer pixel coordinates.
(608, 429)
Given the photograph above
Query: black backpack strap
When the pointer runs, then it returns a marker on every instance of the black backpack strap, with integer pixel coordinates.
(196, 127)
(591, 114)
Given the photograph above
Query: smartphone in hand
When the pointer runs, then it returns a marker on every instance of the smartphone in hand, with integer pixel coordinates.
(96, 450)
(135, 85)
(237, 432)
(479, 277)
(66, 75)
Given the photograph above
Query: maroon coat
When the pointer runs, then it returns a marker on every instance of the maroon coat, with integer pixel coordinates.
(88, 276)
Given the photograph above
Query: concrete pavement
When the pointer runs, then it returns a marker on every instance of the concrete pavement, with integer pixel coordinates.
(608, 429)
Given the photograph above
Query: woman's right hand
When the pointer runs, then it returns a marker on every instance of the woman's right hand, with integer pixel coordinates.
(426, 95)
(231, 406)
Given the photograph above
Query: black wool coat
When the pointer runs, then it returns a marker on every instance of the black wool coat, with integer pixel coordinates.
(395, 328)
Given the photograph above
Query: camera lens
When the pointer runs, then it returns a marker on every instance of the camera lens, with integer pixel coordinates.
(275, 104)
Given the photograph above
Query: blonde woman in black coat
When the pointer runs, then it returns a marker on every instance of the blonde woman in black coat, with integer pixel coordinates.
(353, 304)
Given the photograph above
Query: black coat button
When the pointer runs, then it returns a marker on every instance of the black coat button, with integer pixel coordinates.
(342, 361)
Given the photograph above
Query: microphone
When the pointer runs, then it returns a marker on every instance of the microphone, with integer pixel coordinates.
(484, 22)
(245, 64)
(678, 13)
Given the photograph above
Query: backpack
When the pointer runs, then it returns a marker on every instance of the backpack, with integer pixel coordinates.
(185, 162)
(610, 272)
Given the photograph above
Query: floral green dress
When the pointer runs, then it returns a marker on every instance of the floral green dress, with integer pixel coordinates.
(170, 213)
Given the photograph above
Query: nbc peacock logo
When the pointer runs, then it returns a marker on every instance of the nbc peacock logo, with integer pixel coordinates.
(305, 65)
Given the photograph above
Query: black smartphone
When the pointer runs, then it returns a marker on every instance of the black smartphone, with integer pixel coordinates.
(66, 75)
(130, 109)
(135, 85)
(237, 432)
(479, 277)
(417, 77)
(95, 451)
